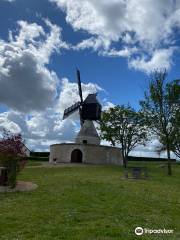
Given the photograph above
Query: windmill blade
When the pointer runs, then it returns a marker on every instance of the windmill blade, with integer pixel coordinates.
(70, 110)
(81, 118)
(79, 85)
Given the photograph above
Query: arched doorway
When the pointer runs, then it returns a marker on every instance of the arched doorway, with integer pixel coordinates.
(76, 156)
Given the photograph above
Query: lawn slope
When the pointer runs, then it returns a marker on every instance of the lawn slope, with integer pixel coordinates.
(87, 202)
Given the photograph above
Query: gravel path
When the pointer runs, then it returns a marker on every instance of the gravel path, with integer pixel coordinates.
(21, 186)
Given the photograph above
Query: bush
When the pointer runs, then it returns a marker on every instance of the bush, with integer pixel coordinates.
(14, 165)
(12, 156)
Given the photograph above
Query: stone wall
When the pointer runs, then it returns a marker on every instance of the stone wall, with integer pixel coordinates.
(92, 154)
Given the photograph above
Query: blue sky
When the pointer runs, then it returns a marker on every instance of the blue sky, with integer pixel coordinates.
(111, 73)
(115, 44)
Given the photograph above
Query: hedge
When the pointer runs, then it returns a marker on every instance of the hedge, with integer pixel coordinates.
(38, 159)
(133, 158)
(40, 154)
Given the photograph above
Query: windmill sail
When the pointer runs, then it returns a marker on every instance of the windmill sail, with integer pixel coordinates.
(70, 110)
(89, 109)
(79, 85)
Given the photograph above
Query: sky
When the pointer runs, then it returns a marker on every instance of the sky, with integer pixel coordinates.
(116, 45)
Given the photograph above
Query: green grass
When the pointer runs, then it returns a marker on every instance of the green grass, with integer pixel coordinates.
(33, 163)
(91, 203)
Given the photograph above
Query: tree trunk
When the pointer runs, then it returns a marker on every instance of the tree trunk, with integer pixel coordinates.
(113, 143)
(125, 161)
(169, 162)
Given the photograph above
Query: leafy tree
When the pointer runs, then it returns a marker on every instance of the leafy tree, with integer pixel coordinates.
(11, 144)
(176, 135)
(174, 89)
(123, 126)
(160, 107)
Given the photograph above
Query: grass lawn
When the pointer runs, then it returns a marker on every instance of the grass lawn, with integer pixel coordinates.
(33, 163)
(87, 202)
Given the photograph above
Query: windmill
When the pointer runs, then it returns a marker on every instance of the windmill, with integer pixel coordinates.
(89, 109)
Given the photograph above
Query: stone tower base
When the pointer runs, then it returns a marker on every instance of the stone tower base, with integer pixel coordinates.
(85, 153)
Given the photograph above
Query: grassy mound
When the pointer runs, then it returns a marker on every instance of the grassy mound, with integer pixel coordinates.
(91, 203)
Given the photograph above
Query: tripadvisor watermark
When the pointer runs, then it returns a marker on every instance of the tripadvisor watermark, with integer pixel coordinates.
(140, 231)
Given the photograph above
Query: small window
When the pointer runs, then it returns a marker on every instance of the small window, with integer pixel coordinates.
(84, 141)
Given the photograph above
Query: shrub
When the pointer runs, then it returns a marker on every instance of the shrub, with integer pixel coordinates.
(12, 156)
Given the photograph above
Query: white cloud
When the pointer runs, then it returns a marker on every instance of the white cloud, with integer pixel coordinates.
(27, 34)
(160, 59)
(148, 25)
(126, 52)
(8, 124)
(150, 21)
(151, 150)
(94, 43)
(9, 0)
(107, 105)
(26, 84)
(41, 129)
